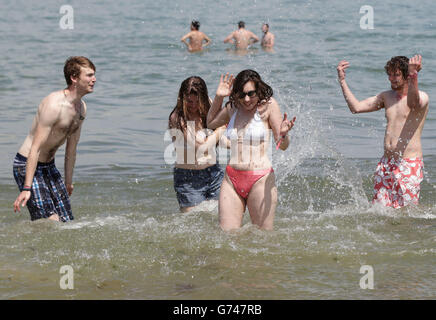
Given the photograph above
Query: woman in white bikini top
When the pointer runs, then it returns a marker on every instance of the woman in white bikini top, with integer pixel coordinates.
(248, 182)
(255, 130)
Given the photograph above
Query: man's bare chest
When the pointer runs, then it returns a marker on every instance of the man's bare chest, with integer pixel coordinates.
(69, 122)
(397, 109)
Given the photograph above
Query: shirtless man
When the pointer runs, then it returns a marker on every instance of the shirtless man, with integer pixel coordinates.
(59, 118)
(267, 38)
(400, 171)
(196, 38)
(242, 37)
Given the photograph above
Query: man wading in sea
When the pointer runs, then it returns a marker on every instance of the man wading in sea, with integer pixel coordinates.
(59, 118)
(268, 38)
(400, 171)
(242, 37)
(196, 38)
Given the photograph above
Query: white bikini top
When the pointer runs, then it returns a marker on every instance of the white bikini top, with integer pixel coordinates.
(254, 130)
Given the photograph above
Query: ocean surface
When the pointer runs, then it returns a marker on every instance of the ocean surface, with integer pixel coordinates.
(129, 240)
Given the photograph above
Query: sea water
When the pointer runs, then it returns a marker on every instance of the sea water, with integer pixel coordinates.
(129, 240)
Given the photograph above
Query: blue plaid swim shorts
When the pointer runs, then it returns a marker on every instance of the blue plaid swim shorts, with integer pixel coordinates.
(49, 195)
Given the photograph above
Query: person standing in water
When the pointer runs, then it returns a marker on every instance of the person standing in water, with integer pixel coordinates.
(241, 38)
(196, 38)
(400, 171)
(251, 113)
(268, 38)
(197, 175)
(59, 118)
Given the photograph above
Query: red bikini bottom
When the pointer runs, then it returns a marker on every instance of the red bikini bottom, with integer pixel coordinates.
(243, 181)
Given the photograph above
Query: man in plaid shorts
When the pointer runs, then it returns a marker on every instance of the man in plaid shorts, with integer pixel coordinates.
(59, 118)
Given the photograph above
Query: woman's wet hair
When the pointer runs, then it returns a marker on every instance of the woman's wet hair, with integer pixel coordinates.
(241, 24)
(192, 85)
(195, 24)
(263, 91)
(398, 63)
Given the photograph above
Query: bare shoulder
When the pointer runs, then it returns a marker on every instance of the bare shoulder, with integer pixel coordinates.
(173, 116)
(386, 94)
(272, 100)
(268, 108)
(50, 108)
(272, 104)
(423, 98)
(384, 98)
(173, 120)
(186, 36)
(54, 97)
(52, 102)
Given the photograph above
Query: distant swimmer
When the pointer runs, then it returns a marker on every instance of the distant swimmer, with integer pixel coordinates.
(267, 38)
(242, 38)
(196, 38)
(400, 171)
(59, 118)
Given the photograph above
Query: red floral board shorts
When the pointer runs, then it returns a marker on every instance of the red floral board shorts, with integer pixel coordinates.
(397, 182)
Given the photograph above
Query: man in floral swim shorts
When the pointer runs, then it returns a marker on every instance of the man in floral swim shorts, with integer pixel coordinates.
(400, 170)
(397, 182)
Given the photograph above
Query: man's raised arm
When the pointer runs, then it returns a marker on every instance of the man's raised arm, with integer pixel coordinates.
(413, 97)
(368, 105)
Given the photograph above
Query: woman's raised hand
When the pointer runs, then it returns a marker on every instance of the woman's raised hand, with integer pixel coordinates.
(225, 85)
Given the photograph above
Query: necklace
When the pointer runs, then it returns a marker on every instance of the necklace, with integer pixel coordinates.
(80, 116)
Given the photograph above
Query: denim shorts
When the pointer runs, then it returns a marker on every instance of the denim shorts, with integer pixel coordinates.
(49, 194)
(195, 186)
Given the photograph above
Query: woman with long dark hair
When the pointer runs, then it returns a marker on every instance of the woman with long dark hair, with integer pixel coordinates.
(251, 114)
(197, 175)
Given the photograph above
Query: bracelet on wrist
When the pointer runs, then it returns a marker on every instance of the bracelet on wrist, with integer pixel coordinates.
(413, 75)
(26, 188)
